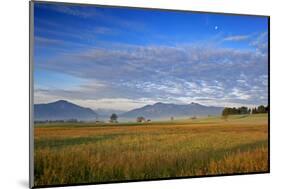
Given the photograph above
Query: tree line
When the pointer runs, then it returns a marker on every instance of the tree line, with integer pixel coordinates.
(245, 110)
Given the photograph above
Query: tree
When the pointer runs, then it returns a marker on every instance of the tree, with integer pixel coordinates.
(236, 111)
(261, 109)
(243, 110)
(225, 113)
(140, 119)
(267, 109)
(113, 118)
(254, 111)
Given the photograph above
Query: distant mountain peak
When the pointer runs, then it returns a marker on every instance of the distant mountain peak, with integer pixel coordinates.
(62, 110)
(194, 103)
(159, 103)
(61, 101)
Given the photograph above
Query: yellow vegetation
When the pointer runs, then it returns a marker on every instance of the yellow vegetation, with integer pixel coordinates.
(88, 153)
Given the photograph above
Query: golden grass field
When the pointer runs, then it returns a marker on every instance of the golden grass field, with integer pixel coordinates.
(91, 153)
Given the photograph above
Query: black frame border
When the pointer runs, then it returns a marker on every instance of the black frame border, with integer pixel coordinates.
(31, 92)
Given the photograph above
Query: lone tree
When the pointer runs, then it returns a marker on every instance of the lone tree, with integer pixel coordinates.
(113, 118)
(140, 119)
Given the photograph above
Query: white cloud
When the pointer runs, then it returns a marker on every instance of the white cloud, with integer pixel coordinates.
(47, 41)
(239, 94)
(162, 73)
(237, 38)
(260, 42)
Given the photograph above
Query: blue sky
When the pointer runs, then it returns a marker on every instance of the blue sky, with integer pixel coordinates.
(120, 58)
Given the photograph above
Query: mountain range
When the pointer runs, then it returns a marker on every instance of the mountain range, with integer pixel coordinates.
(163, 110)
(64, 110)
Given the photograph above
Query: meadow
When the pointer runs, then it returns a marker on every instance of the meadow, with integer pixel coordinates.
(96, 153)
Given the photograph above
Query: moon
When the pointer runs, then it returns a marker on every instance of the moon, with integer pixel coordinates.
(216, 27)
